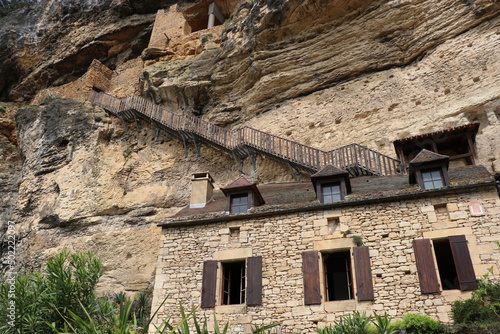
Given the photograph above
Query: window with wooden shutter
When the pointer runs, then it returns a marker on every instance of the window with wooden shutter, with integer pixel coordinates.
(310, 270)
(233, 283)
(364, 282)
(463, 263)
(337, 275)
(425, 266)
(208, 284)
(254, 280)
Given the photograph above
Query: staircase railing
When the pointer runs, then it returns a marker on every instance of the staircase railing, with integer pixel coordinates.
(355, 158)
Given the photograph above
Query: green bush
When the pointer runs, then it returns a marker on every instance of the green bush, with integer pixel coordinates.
(417, 324)
(482, 307)
(470, 311)
(67, 285)
(3, 110)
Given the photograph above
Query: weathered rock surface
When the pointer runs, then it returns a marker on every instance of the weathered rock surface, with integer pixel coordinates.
(86, 185)
(53, 42)
(325, 74)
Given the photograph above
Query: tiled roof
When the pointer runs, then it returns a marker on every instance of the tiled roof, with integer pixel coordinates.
(297, 195)
(428, 156)
(241, 182)
(329, 170)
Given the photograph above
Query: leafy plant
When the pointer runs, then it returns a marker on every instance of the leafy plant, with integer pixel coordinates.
(3, 110)
(383, 324)
(66, 285)
(483, 306)
(49, 98)
(358, 240)
(128, 152)
(265, 328)
(417, 323)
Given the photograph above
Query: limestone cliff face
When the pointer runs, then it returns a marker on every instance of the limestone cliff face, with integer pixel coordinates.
(54, 42)
(324, 73)
(329, 74)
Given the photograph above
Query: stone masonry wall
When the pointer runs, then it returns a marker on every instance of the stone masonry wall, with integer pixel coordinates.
(387, 228)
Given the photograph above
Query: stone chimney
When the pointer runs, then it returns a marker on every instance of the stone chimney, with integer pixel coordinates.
(202, 187)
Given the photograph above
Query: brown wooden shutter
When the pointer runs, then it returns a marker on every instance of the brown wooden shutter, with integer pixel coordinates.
(310, 270)
(208, 284)
(364, 282)
(254, 280)
(425, 266)
(463, 263)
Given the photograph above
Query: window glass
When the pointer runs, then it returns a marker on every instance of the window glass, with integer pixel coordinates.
(432, 179)
(331, 193)
(239, 203)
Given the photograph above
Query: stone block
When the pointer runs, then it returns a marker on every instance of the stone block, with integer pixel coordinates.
(427, 208)
(301, 311)
(431, 217)
(320, 222)
(456, 215)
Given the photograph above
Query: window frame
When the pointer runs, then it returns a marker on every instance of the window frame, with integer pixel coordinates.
(426, 168)
(228, 284)
(239, 196)
(212, 294)
(431, 179)
(361, 279)
(320, 184)
(327, 269)
(428, 268)
(240, 193)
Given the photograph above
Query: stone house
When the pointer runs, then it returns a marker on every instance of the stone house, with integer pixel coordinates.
(307, 253)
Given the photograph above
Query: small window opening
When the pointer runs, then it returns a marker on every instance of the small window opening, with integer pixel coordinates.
(331, 192)
(234, 234)
(432, 179)
(233, 283)
(333, 224)
(441, 211)
(338, 277)
(239, 203)
(446, 264)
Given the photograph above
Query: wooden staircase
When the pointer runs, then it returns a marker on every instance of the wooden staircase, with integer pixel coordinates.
(246, 142)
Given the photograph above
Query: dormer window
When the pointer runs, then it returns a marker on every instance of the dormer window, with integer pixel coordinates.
(331, 184)
(429, 170)
(432, 179)
(239, 203)
(242, 195)
(331, 192)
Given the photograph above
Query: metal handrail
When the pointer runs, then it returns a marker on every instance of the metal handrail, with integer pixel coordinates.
(350, 157)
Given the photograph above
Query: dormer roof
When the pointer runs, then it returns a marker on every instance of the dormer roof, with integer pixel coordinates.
(426, 156)
(243, 183)
(330, 172)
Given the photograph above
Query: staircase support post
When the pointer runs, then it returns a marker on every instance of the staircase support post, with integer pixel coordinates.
(295, 173)
(157, 133)
(239, 161)
(125, 125)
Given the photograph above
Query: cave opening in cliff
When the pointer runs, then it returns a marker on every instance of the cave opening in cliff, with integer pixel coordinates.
(207, 14)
